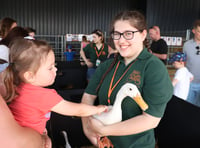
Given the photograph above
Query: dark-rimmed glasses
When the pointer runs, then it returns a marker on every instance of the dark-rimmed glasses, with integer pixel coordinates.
(198, 50)
(128, 35)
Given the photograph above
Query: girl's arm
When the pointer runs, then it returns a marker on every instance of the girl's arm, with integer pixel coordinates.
(174, 82)
(134, 125)
(68, 108)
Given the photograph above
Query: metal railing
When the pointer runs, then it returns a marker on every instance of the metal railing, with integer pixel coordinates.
(59, 43)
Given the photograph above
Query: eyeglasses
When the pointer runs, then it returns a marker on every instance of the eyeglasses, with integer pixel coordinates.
(198, 50)
(128, 35)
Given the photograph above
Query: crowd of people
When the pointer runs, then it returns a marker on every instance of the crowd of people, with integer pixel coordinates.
(27, 66)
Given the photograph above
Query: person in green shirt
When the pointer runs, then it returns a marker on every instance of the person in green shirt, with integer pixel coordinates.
(136, 65)
(96, 52)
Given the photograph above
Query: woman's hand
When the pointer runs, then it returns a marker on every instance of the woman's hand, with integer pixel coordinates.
(96, 126)
(89, 64)
(89, 133)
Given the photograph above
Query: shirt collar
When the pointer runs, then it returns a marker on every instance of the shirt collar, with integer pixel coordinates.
(143, 55)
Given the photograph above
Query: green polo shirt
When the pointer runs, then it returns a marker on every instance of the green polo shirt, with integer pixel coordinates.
(92, 53)
(150, 75)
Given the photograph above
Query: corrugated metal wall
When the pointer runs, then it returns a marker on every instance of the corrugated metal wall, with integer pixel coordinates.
(53, 17)
(172, 15)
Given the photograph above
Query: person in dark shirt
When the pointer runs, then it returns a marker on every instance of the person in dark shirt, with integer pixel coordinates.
(158, 46)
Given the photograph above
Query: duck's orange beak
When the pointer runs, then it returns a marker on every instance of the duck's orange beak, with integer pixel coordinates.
(139, 100)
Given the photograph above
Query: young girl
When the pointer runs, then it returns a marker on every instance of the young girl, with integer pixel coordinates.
(32, 67)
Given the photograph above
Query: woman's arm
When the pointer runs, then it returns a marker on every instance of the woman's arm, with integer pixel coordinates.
(87, 61)
(133, 125)
(92, 136)
(13, 135)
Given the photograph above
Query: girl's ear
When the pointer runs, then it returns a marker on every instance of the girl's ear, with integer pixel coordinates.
(29, 76)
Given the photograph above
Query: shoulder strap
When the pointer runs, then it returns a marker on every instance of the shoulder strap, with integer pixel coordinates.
(108, 70)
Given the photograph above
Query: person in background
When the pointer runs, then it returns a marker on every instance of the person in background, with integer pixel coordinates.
(158, 46)
(192, 50)
(95, 53)
(134, 64)
(6, 25)
(16, 32)
(84, 43)
(12, 134)
(13, 34)
(182, 77)
(4, 62)
(31, 68)
(31, 32)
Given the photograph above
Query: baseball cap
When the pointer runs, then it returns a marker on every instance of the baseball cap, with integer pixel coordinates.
(178, 56)
(4, 53)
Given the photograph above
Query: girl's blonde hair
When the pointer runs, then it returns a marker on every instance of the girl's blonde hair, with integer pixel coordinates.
(25, 55)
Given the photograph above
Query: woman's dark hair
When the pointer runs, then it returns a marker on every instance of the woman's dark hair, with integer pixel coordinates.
(5, 26)
(99, 33)
(29, 29)
(13, 34)
(135, 18)
(84, 38)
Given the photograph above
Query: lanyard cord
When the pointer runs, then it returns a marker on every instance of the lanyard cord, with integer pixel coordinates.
(98, 54)
(111, 87)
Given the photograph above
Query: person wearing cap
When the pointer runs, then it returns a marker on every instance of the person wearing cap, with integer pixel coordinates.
(182, 77)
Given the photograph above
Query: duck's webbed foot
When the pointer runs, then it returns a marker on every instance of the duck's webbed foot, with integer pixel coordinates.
(105, 142)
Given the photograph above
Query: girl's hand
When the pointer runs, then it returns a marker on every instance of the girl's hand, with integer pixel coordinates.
(101, 108)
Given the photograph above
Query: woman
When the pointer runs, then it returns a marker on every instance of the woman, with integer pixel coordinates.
(95, 53)
(6, 25)
(134, 65)
(84, 43)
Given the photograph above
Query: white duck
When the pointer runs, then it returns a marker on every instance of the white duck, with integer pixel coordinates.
(114, 113)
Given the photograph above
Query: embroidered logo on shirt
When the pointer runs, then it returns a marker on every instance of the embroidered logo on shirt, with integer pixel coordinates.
(135, 77)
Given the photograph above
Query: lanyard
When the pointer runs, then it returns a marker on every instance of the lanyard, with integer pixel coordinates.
(98, 54)
(111, 87)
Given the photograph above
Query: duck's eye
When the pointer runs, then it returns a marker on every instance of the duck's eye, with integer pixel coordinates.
(130, 89)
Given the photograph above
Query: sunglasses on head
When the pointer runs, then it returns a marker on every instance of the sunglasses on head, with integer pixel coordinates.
(198, 50)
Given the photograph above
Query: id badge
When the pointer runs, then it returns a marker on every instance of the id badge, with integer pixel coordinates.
(98, 62)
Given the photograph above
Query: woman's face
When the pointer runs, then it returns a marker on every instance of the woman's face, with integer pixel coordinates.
(129, 49)
(96, 38)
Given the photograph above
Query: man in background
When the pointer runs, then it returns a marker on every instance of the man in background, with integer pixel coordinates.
(192, 49)
(158, 46)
